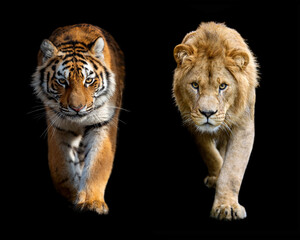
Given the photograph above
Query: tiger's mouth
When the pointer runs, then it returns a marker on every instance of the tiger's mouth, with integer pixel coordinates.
(76, 112)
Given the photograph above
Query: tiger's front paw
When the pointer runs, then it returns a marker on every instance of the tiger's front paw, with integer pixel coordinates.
(85, 203)
(228, 212)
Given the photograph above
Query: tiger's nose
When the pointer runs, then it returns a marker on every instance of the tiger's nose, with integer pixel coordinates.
(208, 113)
(77, 108)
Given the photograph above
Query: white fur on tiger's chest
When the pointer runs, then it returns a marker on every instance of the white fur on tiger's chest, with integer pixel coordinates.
(70, 146)
(80, 148)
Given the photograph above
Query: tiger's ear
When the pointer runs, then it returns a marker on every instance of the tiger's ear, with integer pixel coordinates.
(240, 57)
(48, 50)
(97, 47)
(181, 52)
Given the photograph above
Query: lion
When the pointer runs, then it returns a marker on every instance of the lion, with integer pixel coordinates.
(214, 89)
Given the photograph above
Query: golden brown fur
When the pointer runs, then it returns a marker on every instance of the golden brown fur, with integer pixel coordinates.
(214, 89)
(80, 79)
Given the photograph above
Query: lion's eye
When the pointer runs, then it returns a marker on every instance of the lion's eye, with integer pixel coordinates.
(195, 85)
(222, 86)
(62, 81)
(89, 81)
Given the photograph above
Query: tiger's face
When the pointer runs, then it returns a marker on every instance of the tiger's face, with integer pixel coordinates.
(73, 79)
(75, 86)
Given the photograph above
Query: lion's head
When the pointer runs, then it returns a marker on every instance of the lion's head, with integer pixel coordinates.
(215, 79)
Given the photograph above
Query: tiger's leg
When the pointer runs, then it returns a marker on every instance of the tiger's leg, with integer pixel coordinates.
(63, 161)
(212, 159)
(100, 150)
(226, 204)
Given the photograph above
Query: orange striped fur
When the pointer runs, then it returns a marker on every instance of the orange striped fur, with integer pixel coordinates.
(80, 80)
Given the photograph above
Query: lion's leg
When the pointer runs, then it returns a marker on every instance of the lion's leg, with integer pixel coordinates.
(212, 159)
(97, 169)
(222, 147)
(239, 148)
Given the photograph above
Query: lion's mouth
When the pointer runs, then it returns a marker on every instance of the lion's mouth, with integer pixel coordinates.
(208, 123)
(207, 126)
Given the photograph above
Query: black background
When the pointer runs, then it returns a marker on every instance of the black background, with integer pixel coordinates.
(156, 188)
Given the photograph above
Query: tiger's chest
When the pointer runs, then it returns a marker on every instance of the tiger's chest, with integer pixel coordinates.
(73, 151)
(78, 146)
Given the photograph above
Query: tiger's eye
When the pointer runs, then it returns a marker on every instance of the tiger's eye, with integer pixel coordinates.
(195, 85)
(62, 81)
(222, 86)
(89, 80)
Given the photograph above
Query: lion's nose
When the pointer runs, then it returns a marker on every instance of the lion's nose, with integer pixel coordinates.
(208, 113)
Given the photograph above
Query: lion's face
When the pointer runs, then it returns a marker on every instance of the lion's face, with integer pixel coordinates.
(206, 92)
(215, 79)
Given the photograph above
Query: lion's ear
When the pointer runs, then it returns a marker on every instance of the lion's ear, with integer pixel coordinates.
(240, 57)
(182, 51)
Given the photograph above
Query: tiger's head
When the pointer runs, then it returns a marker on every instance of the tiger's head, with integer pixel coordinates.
(73, 79)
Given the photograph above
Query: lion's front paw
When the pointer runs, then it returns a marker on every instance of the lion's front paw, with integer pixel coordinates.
(228, 212)
(210, 181)
(85, 203)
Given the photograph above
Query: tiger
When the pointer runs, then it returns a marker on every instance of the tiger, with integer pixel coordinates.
(80, 80)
